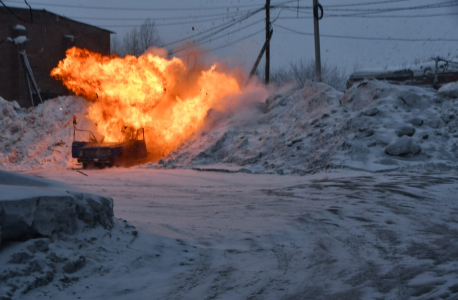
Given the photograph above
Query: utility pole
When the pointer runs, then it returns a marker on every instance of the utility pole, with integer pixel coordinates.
(316, 18)
(263, 49)
(267, 42)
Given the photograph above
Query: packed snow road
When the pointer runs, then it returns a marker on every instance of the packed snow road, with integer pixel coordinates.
(206, 235)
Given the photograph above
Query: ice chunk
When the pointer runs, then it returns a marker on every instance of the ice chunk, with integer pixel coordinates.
(449, 90)
(403, 146)
(405, 130)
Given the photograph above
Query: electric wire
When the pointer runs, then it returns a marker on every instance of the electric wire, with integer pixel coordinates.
(368, 38)
(138, 8)
(12, 13)
(392, 16)
(366, 3)
(310, 15)
(220, 28)
(380, 10)
(427, 6)
(163, 24)
(166, 18)
(213, 38)
(233, 42)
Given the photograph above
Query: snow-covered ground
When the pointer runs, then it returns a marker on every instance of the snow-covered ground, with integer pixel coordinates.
(206, 235)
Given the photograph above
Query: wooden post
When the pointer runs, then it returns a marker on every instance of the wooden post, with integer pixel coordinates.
(28, 83)
(267, 74)
(263, 49)
(317, 41)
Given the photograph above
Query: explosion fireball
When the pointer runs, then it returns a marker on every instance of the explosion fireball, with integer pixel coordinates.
(161, 95)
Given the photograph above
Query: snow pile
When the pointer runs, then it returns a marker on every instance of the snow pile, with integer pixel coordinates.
(39, 137)
(68, 251)
(32, 207)
(373, 126)
(40, 214)
(449, 90)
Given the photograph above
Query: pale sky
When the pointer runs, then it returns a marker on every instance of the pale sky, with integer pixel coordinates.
(196, 16)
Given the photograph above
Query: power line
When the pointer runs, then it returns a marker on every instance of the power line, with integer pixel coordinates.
(213, 38)
(369, 38)
(163, 24)
(223, 26)
(11, 12)
(229, 14)
(294, 18)
(378, 10)
(393, 16)
(366, 3)
(234, 42)
(439, 5)
(364, 15)
(365, 12)
(137, 8)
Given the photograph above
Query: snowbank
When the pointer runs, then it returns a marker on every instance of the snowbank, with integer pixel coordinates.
(43, 226)
(32, 207)
(373, 126)
(449, 90)
(39, 137)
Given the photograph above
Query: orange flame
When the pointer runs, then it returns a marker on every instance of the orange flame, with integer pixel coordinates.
(158, 94)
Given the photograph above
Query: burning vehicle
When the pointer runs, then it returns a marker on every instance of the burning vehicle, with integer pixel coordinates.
(90, 152)
(151, 91)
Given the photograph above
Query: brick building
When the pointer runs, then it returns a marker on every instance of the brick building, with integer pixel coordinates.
(48, 37)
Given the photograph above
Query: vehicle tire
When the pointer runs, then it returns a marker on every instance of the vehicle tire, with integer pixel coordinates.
(85, 166)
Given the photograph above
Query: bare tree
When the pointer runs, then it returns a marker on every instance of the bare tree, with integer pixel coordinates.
(137, 40)
(303, 70)
(148, 35)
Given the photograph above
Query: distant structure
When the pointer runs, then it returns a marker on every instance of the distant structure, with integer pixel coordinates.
(32, 42)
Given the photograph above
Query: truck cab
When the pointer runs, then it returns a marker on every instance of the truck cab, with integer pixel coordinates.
(91, 152)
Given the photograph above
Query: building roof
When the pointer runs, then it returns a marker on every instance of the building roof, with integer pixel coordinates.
(51, 13)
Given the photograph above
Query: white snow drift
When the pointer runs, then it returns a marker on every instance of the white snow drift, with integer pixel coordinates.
(42, 214)
(39, 137)
(372, 126)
